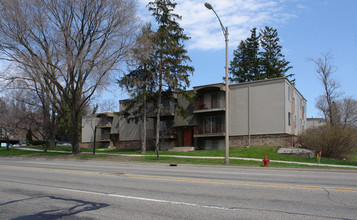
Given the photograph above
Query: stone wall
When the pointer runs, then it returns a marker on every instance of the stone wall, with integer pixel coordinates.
(86, 144)
(90, 145)
(134, 145)
(278, 140)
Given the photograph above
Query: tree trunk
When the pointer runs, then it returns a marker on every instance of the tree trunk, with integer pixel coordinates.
(158, 119)
(143, 141)
(46, 126)
(75, 133)
(94, 138)
(52, 141)
(53, 129)
(158, 128)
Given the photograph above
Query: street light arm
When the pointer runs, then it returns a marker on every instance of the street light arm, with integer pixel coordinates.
(224, 30)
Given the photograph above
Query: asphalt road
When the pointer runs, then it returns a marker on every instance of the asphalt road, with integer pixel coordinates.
(83, 189)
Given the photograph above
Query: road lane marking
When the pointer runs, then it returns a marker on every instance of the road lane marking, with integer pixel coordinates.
(239, 183)
(148, 199)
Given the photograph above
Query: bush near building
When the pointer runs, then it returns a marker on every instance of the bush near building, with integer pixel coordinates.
(332, 141)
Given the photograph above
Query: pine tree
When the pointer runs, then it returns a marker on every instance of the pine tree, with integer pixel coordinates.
(239, 66)
(140, 82)
(273, 63)
(171, 57)
(259, 57)
(253, 54)
(245, 65)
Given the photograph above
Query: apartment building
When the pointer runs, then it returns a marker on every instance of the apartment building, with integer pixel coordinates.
(103, 128)
(269, 112)
(266, 112)
(175, 129)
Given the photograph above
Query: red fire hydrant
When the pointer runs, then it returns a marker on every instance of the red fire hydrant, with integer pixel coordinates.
(266, 160)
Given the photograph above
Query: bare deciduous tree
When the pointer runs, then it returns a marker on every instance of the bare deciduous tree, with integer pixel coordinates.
(326, 102)
(108, 106)
(5, 129)
(38, 114)
(338, 137)
(347, 112)
(67, 47)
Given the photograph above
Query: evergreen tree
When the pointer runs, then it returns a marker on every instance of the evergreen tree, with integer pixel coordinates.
(239, 67)
(273, 63)
(140, 82)
(245, 65)
(171, 65)
(259, 57)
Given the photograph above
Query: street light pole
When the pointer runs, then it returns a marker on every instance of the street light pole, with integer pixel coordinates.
(225, 33)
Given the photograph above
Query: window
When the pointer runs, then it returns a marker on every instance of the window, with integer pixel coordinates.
(166, 127)
(214, 100)
(207, 125)
(217, 125)
(289, 118)
(213, 125)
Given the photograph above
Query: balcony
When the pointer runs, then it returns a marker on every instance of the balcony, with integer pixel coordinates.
(214, 102)
(210, 127)
(105, 123)
(103, 138)
(168, 133)
(167, 130)
(167, 110)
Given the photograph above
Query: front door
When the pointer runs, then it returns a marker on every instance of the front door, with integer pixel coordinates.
(187, 137)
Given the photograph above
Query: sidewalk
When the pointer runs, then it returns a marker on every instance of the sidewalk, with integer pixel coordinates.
(204, 157)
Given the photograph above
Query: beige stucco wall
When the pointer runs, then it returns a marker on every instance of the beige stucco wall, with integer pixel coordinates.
(238, 106)
(266, 107)
(131, 131)
(88, 125)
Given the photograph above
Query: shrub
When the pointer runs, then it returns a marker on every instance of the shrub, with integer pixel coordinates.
(333, 141)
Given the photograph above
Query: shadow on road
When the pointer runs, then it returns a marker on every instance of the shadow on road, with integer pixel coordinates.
(72, 207)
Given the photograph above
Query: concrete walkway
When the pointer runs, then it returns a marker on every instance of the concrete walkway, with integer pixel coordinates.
(205, 157)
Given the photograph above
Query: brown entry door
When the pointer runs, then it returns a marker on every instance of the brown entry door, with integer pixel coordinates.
(187, 139)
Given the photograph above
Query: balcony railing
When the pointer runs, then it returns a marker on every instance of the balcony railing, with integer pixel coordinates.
(168, 132)
(105, 123)
(166, 110)
(217, 103)
(211, 129)
(105, 137)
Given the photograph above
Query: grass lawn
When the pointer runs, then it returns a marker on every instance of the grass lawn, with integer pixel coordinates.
(353, 156)
(171, 160)
(24, 153)
(251, 152)
(258, 152)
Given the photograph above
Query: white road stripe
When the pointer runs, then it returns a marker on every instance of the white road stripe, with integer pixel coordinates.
(149, 199)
